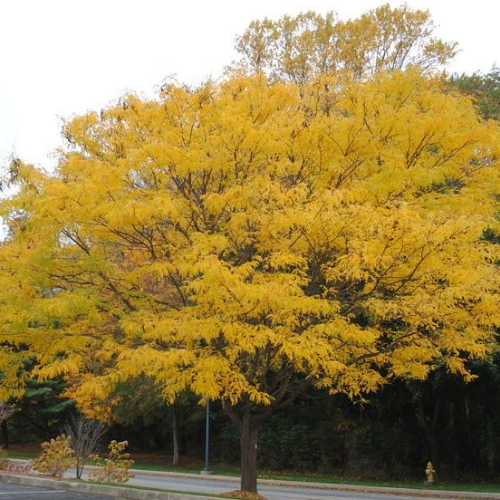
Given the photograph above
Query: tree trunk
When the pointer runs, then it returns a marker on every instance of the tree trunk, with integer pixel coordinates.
(453, 440)
(249, 422)
(79, 467)
(249, 431)
(175, 438)
(5, 435)
(429, 430)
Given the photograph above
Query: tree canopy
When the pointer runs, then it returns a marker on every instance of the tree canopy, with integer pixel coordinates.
(484, 88)
(248, 240)
(295, 49)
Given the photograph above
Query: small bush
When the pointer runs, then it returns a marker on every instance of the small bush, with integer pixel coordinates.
(114, 468)
(4, 461)
(56, 458)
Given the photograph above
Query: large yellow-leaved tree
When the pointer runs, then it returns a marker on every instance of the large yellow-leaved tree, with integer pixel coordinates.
(250, 240)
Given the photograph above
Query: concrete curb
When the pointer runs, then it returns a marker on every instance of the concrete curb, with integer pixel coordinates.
(97, 489)
(285, 484)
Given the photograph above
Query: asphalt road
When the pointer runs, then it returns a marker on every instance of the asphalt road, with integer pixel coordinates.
(205, 484)
(18, 492)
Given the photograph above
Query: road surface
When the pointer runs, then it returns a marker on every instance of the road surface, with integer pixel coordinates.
(18, 492)
(206, 484)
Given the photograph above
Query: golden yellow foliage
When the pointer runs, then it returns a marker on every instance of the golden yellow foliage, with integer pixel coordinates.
(297, 49)
(248, 240)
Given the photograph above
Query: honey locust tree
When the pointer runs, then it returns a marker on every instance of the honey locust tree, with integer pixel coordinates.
(298, 48)
(250, 240)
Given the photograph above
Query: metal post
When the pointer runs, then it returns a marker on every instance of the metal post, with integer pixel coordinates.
(206, 469)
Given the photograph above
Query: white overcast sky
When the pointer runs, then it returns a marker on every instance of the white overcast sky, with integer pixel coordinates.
(64, 57)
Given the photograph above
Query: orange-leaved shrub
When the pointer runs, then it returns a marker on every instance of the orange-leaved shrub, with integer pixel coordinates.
(56, 457)
(114, 468)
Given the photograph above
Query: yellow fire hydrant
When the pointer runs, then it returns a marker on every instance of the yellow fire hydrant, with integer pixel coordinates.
(430, 473)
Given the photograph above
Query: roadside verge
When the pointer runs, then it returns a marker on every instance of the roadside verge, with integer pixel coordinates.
(136, 493)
